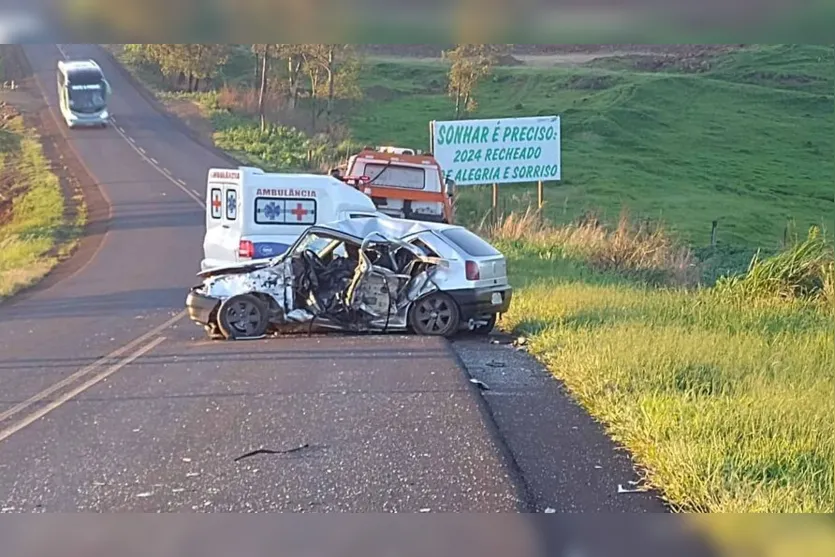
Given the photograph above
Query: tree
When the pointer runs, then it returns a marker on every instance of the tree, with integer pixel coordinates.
(263, 52)
(333, 72)
(191, 62)
(204, 61)
(470, 64)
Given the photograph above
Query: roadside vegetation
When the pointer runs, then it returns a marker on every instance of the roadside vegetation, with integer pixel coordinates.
(34, 235)
(711, 361)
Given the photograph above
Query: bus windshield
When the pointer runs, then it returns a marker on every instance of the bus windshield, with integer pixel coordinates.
(87, 99)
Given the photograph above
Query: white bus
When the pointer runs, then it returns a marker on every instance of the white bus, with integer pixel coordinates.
(83, 93)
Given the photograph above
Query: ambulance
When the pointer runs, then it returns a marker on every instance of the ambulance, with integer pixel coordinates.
(252, 214)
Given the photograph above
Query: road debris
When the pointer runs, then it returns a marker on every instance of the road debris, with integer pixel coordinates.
(521, 344)
(623, 490)
(496, 363)
(425, 510)
(270, 451)
(480, 384)
(549, 510)
(145, 494)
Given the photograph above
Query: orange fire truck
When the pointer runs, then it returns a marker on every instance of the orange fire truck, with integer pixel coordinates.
(403, 183)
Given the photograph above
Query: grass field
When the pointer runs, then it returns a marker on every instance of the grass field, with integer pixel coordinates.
(748, 144)
(727, 405)
(724, 395)
(33, 232)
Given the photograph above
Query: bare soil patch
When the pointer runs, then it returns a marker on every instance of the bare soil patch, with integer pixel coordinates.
(647, 57)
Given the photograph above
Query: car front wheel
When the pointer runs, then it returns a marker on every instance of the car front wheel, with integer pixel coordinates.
(435, 315)
(242, 316)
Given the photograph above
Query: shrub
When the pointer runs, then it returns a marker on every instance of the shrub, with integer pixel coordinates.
(278, 147)
(804, 272)
(642, 251)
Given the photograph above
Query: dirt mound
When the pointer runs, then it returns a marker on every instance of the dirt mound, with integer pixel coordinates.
(435, 50)
(682, 58)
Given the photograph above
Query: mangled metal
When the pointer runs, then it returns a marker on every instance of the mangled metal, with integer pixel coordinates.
(370, 288)
(367, 274)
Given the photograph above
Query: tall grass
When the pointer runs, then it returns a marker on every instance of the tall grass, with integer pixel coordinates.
(726, 403)
(30, 239)
(644, 251)
(806, 271)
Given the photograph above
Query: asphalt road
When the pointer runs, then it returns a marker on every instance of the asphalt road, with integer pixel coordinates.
(388, 424)
(112, 401)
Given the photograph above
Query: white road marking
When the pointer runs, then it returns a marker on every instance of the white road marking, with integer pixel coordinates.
(155, 161)
(166, 171)
(89, 369)
(33, 417)
(121, 129)
(177, 183)
(118, 364)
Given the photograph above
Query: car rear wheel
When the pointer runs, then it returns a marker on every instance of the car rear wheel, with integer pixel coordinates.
(435, 315)
(243, 316)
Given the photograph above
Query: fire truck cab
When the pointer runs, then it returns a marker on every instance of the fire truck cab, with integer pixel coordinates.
(403, 183)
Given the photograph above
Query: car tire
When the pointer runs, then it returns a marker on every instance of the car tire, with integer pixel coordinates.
(485, 330)
(435, 315)
(242, 316)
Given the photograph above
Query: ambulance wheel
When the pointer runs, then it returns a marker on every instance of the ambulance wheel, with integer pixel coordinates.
(435, 315)
(242, 316)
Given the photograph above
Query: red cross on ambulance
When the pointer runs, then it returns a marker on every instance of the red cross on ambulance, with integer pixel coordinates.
(217, 202)
(304, 210)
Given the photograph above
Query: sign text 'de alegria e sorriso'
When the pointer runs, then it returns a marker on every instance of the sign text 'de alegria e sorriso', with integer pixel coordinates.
(500, 151)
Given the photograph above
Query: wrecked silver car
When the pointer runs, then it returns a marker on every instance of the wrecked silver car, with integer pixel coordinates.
(369, 274)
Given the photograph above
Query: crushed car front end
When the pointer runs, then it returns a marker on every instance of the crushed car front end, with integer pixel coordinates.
(202, 308)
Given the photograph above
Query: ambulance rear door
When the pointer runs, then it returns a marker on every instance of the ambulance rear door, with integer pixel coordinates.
(223, 219)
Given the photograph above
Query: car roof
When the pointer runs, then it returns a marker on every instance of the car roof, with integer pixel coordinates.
(361, 227)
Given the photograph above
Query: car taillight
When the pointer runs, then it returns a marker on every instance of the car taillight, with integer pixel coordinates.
(246, 249)
(472, 270)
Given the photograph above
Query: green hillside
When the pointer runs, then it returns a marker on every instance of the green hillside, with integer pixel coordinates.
(748, 143)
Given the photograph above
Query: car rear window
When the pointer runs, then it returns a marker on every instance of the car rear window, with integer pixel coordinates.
(469, 242)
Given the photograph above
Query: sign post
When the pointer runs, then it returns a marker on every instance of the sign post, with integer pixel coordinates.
(499, 151)
(495, 203)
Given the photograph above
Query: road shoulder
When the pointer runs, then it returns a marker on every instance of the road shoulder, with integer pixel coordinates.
(85, 210)
(568, 462)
